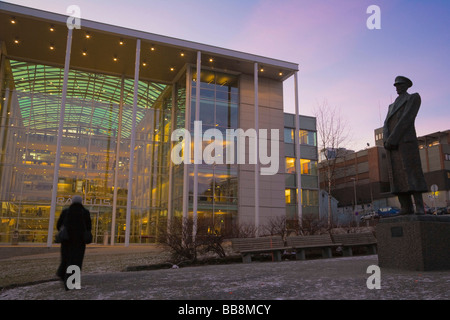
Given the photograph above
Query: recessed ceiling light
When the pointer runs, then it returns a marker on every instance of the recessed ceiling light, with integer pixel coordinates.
(52, 47)
(16, 41)
(115, 59)
(88, 35)
(121, 42)
(152, 48)
(84, 52)
(172, 69)
(52, 28)
(13, 20)
(182, 54)
(211, 59)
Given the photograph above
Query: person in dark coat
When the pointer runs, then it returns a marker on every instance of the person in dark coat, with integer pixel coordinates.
(400, 142)
(76, 219)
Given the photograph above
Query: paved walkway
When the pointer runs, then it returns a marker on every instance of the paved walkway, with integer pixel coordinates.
(343, 278)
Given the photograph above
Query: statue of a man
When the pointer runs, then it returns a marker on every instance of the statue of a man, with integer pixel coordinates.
(400, 141)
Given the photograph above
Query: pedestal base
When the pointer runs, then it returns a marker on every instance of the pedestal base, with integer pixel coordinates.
(414, 242)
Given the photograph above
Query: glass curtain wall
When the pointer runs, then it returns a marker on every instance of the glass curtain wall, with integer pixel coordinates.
(217, 183)
(97, 124)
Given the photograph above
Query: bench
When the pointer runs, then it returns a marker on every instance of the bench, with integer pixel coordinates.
(349, 240)
(250, 246)
(302, 243)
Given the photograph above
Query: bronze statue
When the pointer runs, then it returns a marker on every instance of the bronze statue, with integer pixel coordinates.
(400, 141)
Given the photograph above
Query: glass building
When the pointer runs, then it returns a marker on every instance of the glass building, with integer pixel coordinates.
(90, 111)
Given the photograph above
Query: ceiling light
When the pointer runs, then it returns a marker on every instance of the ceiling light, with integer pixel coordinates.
(84, 52)
(172, 69)
(182, 54)
(121, 42)
(52, 47)
(88, 36)
(13, 20)
(144, 64)
(262, 69)
(152, 48)
(16, 41)
(115, 59)
(280, 73)
(52, 28)
(211, 60)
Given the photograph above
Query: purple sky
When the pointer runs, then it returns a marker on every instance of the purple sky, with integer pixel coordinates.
(341, 60)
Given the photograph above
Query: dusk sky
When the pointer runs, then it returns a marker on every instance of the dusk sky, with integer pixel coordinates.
(341, 61)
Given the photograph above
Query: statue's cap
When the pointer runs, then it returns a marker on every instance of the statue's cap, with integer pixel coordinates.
(402, 79)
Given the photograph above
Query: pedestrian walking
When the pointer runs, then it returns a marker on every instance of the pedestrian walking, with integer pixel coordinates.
(77, 221)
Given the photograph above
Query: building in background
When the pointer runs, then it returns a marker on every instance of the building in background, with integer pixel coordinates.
(99, 105)
(361, 181)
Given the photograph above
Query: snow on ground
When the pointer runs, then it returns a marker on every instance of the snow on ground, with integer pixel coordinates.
(336, 278)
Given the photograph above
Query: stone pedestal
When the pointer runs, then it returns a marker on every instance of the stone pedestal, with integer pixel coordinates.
(414, 242)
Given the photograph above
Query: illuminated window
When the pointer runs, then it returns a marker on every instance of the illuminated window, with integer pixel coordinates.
(290, 165)
(308, 137)
(290, 196)
(308, 167)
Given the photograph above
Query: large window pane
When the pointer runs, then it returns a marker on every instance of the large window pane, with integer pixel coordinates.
(290, 165)
(288, 135)
(308, 137)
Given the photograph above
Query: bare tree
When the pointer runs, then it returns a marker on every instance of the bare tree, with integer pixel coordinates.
(333, 134)
(276, 226)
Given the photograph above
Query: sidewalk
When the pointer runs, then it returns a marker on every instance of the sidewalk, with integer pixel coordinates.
(341, 278)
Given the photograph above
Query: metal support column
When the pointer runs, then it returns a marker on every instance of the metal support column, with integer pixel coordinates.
(187, 147)
(116, 169)
(256, 150)
(172, 128)
(297, 155)
(196, 139)
(132, 143)
(51, 221)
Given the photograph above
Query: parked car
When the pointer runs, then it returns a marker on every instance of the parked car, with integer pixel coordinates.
(437, 211)
(369, 216)
(388, 211)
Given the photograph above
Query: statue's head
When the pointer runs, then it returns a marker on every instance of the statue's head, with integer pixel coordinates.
(402, 84)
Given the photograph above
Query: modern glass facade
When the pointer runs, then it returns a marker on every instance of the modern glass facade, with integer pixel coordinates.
(110, 123)
(94, 151)
(217, 183)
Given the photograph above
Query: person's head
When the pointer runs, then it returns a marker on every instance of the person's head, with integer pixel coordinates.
(77, 199)
(402, 84)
